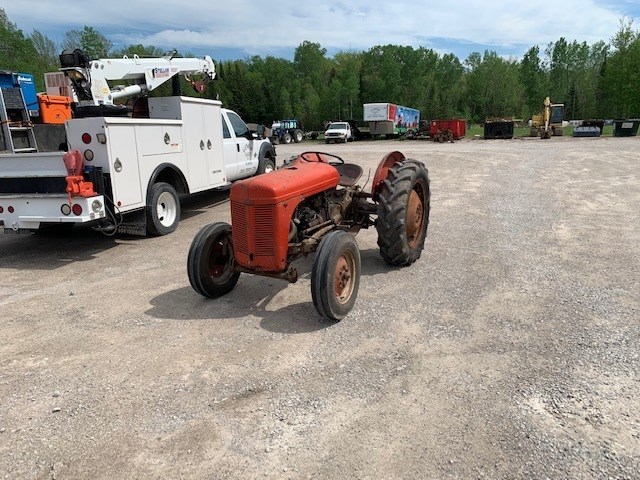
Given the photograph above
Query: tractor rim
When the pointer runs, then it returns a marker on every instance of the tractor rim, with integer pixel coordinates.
(415, 215)
(166, 209)
(343, 277)
(219, 259)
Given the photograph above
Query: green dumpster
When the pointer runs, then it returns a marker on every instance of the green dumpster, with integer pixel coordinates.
(626, 128)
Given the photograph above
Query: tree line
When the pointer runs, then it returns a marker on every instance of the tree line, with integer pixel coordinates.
(593, 81)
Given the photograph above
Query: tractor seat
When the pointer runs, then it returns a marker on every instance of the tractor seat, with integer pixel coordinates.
(350, 173)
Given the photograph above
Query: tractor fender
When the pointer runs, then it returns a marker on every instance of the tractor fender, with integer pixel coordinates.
(389, 160)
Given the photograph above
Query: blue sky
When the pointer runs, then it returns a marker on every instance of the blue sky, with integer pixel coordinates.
(239, 29)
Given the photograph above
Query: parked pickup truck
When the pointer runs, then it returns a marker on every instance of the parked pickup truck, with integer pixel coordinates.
(339, 132)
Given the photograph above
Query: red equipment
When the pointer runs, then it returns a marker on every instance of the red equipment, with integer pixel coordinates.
(77, 186)
(313, 204)
(448, 130)
(262, 208)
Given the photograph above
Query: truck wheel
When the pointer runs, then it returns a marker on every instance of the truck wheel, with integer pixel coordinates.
(403, 213)
(286, 138)
(297, 136)
(163, 209)
(335, 275)
(266, 165)
(211, 260)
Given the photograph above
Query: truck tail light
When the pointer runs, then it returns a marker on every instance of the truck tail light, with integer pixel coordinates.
(86, 138)
(77, 209)
(10, 209)
(65, 209)
(1, 210)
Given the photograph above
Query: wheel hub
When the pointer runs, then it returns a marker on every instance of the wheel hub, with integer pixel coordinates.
(342, 279)
(219, 259)
(415, 218)
(166, 209)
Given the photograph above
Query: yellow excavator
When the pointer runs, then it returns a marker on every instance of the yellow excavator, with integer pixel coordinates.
(549, 121)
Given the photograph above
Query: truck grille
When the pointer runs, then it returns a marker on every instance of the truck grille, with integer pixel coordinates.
(253, 229)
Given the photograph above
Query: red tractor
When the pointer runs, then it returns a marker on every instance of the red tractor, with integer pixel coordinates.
(313, 204)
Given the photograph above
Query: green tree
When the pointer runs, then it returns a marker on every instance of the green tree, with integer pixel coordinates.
(17, 52)
(494, 86)
(620, 82)
(92, 42)
(532, 77)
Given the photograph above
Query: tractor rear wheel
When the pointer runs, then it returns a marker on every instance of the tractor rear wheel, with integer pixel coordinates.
(286, 138)
(403, 213)
(335, 275)
(297, 135)
(211, 260)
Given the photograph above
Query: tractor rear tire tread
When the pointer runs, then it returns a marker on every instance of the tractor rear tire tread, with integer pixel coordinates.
(392, 212)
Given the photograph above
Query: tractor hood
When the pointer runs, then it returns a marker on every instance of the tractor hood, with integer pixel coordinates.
(297, 181)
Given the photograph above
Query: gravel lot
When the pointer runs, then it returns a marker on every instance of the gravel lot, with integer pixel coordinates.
(509, 350)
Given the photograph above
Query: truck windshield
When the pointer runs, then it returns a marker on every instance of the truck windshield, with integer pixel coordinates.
(239, 127)
(337, 126)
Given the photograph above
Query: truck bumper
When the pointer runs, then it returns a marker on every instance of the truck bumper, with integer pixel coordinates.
(26, 212)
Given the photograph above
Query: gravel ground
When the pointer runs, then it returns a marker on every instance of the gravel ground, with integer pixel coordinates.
(509, 350)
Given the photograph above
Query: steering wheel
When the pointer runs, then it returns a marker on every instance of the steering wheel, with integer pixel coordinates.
(337, 161)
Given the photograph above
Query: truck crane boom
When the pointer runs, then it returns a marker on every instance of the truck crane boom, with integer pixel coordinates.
(90, 78)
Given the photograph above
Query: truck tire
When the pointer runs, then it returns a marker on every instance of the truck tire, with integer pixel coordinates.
(286, 138)
(163, 209)
(211, 260)
(266, 165)
(335, 275)
(403, 213)
(297, 135)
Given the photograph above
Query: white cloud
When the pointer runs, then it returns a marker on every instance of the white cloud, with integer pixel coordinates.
(258, 27)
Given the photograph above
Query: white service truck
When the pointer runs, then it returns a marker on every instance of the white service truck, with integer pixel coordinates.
(137, 167)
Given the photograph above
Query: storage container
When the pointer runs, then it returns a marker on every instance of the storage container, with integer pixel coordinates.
(54, 108)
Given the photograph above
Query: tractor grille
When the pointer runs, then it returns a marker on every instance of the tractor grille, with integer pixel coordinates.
(240, 227)
(264, 226)
(253, 229)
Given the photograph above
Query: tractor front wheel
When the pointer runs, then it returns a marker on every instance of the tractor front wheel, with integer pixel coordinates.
(403, 213)
(335, 275)
(211, 261)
